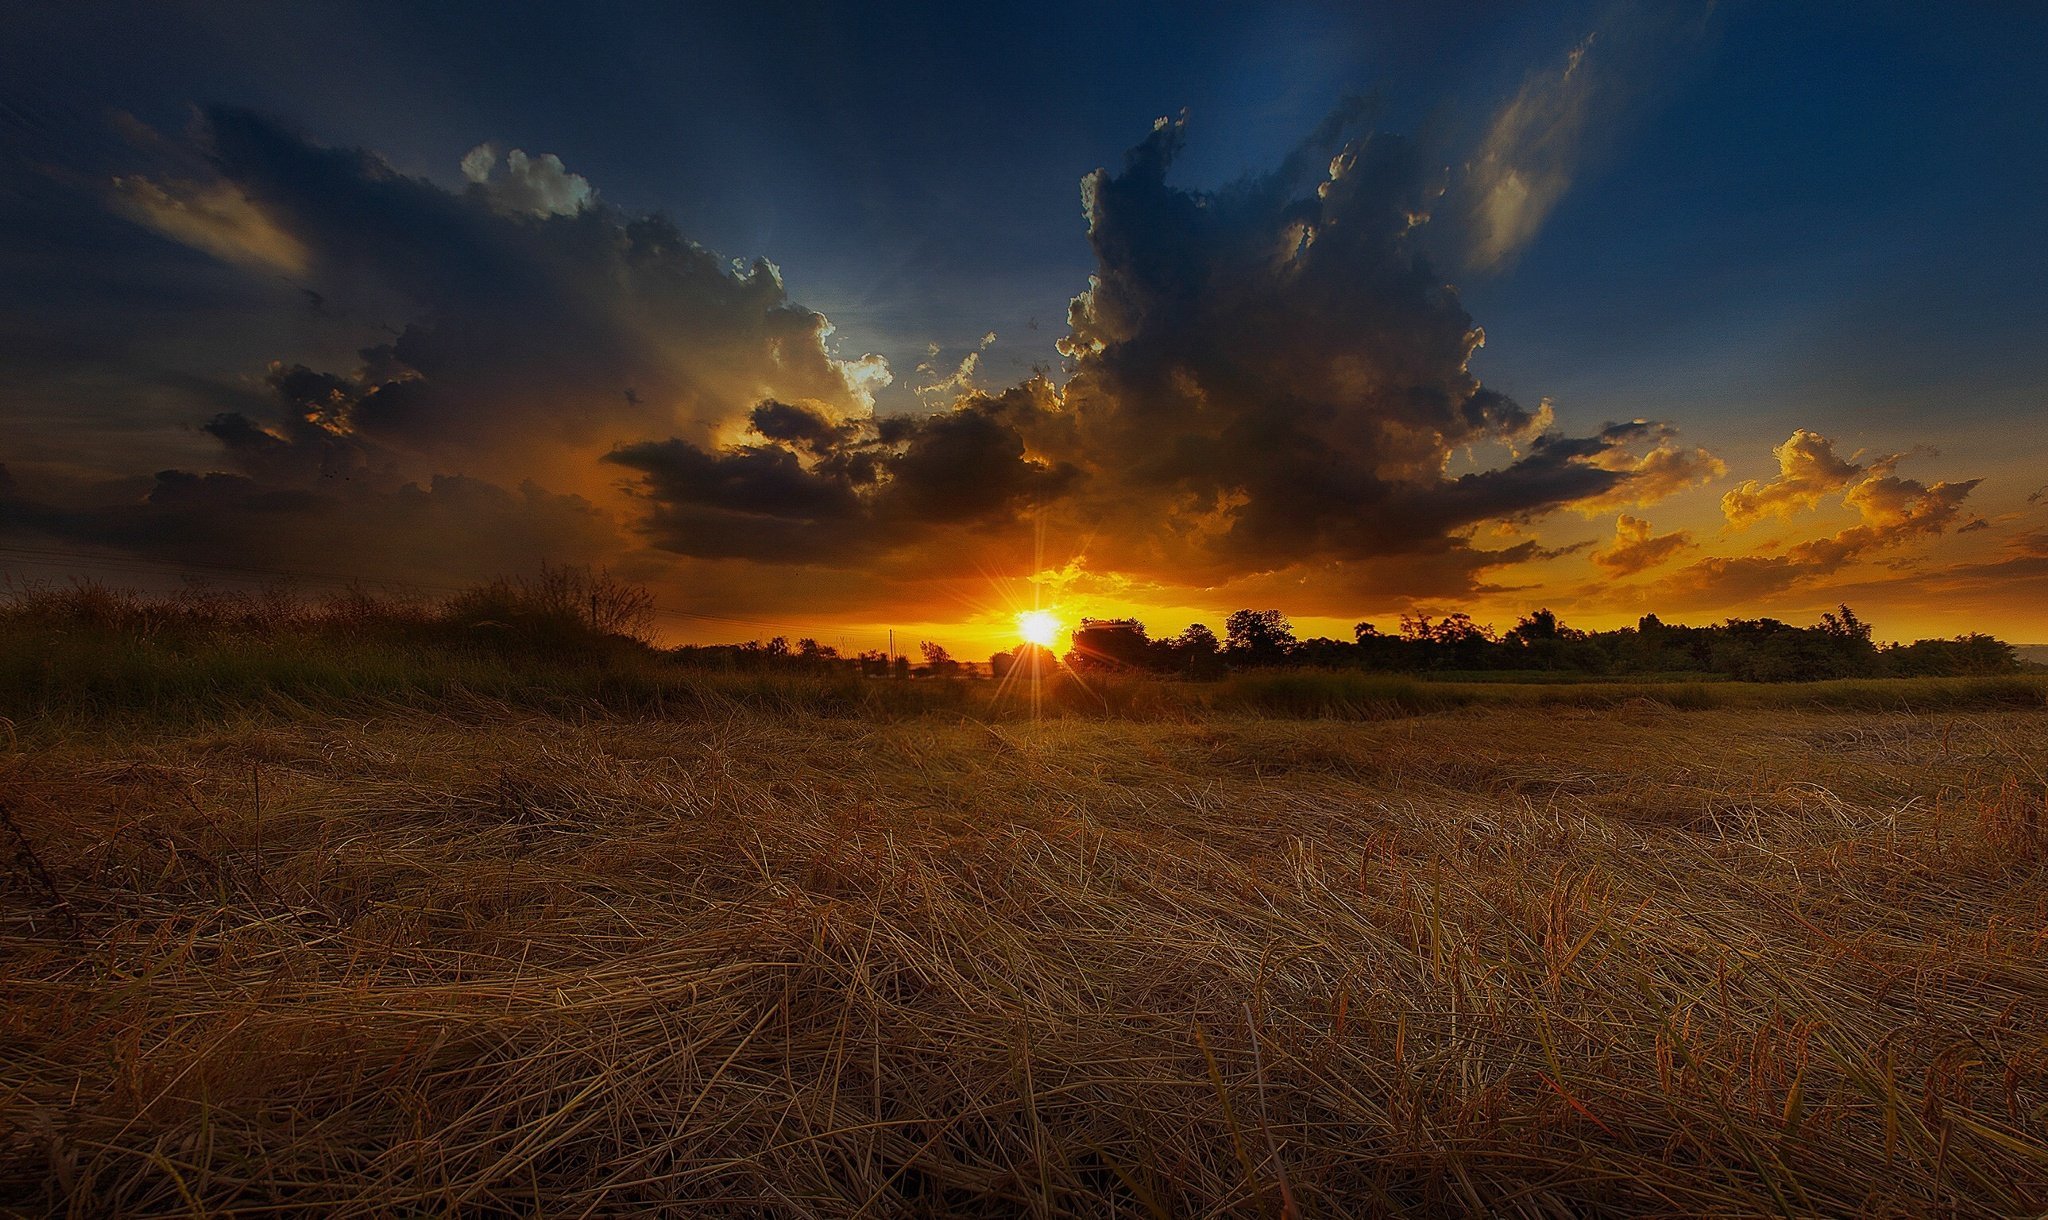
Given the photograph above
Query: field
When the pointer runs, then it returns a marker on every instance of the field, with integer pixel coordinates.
(391, 940)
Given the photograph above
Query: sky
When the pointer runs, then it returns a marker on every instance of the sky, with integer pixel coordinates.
(831, 322)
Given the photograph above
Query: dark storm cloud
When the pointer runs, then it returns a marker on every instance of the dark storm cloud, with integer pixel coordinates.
(1281, 366)
(1269, 378)
(857, 489)
(543, 329)
(539, 315)
(449, 528)
(1270, 375)
(781, 421)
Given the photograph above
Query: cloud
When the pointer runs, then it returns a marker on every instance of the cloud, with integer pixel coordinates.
(798, 425)
(1808, 472)
(1276, 373)
(961, 380)
(807, 489)
(214, 217)
(543, 329)
(1268, 385)
(1891, 511)
(448, 528)
(532, 186)
(1525, 163)
(1562, 120)
(1268, 377)
(533, 323)
(1894, 510)
(1637, 547)
(1655, 475)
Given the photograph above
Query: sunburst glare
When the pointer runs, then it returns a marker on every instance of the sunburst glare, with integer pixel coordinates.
(1038, 627)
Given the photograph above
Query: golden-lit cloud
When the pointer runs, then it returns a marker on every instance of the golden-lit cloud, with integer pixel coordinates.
(213, 217)
(1892, 512)
(1637, 547)
(1653, 476)
(1808, 472)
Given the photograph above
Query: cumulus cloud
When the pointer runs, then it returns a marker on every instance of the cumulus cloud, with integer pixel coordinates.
(1808, 472)
(1892, 511)
(1659, 473)
(958, 382)
(1267, 384)
(541, 329)
(1637, 547)
(1895, 508)
(532, 186)
(538, 316)
(1278, 373)
(1266, 377)
(810, 489)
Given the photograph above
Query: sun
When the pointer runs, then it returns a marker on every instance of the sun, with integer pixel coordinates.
(1038, 627)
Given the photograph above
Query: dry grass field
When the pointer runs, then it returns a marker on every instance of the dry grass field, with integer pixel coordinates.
(1507, 958)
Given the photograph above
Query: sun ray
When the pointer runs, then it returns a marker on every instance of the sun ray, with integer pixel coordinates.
(1040, 627)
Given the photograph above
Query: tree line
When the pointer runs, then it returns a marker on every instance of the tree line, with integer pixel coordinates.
(1753, 650)
(1840, 645)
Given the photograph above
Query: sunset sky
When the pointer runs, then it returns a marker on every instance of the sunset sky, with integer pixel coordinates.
(823, 321)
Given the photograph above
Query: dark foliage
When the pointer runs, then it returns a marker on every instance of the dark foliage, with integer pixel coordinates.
(1751, 650)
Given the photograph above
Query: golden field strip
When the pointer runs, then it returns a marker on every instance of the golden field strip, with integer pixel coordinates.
(1755, 957)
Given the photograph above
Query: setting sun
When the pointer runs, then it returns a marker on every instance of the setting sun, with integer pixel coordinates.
(1038, 627)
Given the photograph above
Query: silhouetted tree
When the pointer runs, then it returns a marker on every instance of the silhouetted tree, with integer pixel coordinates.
(1194, 653)
(937, 659)
(1972, 655)
(1257, 637)
(1025, 661)
(1761, 650)
(1848, 637)
(1452, 642)
(1112, 643)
